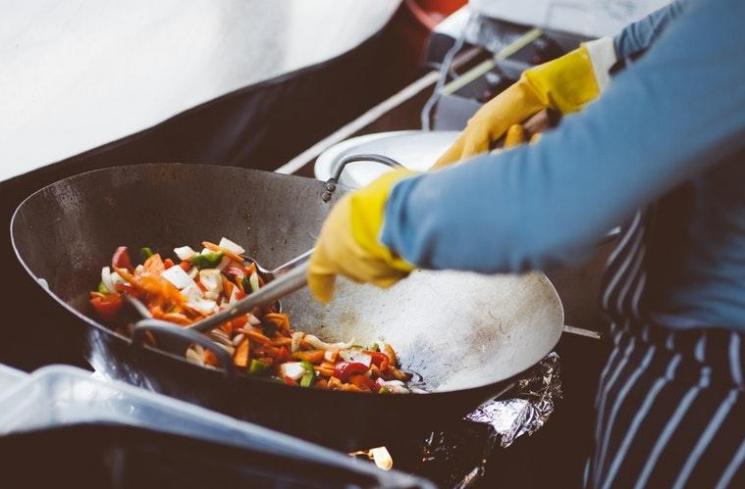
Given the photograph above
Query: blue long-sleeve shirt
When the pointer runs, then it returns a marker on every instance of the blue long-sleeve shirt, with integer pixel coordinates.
(672, 119)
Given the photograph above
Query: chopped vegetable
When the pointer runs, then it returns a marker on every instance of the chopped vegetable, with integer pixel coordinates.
(355, 356)
(240, 359)
(107, 279)
(292, 370)
(121, 259)
(344, 370)
(178, 277)
(226, 244)
(380, 360)
(262, 342)
(257, 367)
(206, 259)
(313, 356)
(153, 265)
(107, 306)
(184, 253)
(211, 280)
(309, 376)
(253, 281)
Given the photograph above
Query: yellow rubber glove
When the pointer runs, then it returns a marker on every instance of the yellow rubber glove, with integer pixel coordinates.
(349, 241)
(565, 84)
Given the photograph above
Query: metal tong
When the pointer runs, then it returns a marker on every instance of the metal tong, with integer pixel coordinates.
(280, 282)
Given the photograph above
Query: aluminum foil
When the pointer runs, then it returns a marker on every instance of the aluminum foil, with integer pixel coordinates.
(457, 458)
(530, 404)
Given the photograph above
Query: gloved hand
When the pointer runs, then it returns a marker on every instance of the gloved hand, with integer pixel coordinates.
(565, 84)
(349, 242)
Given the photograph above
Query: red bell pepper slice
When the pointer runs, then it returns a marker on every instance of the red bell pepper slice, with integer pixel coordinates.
(344, 370)
(363, 382)
(107, 306)
(121, 259)
(283, 354)
(379, 359)
(236, 272)
(167, 263)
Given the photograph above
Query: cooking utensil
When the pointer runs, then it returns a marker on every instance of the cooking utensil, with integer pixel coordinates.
(269, 275)
(291, 278)
(285, 284)
(467, 335)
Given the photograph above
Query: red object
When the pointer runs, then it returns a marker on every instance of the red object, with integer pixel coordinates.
(290, 381)
(168, 263)
(239, 322)
(417, 19)
(363, 382)
(108, 306)
(236, 272)
(129, 289)
(378, 359)
(121, 259)
(185, 265)
(283, 354)
(345, 370)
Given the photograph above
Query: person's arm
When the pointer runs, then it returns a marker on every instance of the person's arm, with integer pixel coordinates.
(677, 110)
(639, 36)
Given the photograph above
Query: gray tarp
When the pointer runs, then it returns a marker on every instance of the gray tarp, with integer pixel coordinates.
(80, 73)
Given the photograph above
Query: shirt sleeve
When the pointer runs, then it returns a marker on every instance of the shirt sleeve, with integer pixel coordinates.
(639, 36)
(672, 114)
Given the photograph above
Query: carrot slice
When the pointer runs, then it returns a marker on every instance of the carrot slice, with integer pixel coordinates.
(324, 372)
(278, 319)
(227, 286)
(313, 356)
(210, 358)
(282, 341)
(256, 336)
(154, 264)
(175, 317)
(240, 359)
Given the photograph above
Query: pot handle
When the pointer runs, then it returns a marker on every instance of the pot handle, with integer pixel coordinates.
(188, 335)
(338, 168)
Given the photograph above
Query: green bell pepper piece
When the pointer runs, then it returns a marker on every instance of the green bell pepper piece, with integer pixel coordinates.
(102, 288)
(257, 367)
(206, 260)
(310, 374)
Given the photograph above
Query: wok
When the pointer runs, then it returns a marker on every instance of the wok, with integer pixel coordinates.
(467, 335)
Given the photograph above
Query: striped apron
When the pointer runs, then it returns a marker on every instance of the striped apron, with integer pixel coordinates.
(670, 408)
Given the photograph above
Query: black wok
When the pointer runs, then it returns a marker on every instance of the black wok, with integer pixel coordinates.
(467, 335)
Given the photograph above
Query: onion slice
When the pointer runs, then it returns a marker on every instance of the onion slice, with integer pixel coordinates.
(231, 246)
(297, 337)
(319, 344)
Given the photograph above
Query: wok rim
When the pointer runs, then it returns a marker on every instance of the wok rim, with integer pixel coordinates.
(491, 387)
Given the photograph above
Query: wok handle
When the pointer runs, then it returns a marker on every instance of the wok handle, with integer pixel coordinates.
(187, 335)
(339, 165)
